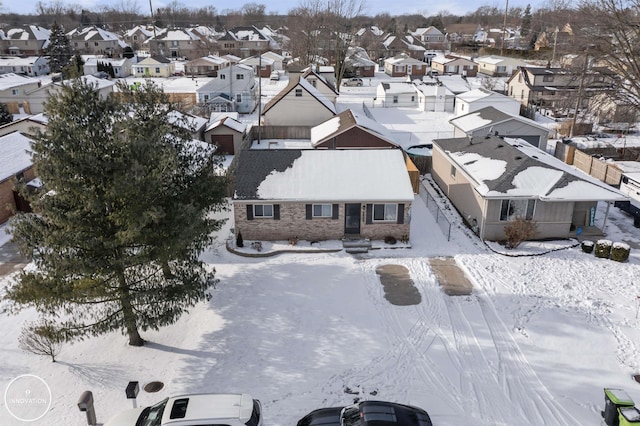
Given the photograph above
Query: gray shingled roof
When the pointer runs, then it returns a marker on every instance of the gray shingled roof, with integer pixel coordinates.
(255, 166)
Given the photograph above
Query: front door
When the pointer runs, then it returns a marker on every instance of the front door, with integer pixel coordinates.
(352, 219)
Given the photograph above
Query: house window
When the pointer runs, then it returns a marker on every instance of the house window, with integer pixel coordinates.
(322, 210)
(174, 42)
(299, 92)
(263, 210)
(512, 209)
(519, 78)
(96, 44)
(157, 70)
(547, 78)
(239, 76)
(86, 44)
(135, 38)
(453, 171)
(385, 212)
(223, 76)
(14, 91)
(413, 98)
(140, 70)
(238, 97)
(206, 98)
(395, 99)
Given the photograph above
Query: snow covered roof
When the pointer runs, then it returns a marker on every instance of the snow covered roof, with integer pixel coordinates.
(15, 155)
(20, 61)
(29, 32)
(307, 86)
(11, 80)
(489, 116)
(397, 87)
(192, 122)
(344, 121)
(511, 168)
(323, 176)
(229, 122)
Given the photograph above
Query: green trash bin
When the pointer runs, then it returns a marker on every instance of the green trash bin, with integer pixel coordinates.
(614, 399)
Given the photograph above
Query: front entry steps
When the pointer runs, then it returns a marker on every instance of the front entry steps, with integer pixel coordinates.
(356, 245)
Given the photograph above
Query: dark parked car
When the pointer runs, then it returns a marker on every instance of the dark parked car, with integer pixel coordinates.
(368, 413)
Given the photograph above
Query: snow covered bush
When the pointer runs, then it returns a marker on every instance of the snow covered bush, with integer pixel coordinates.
(603, 249)
(519, 230)
(620, 252)
(239, 240)
(587, 246)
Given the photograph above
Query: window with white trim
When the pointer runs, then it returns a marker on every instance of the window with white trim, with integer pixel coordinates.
(239, 76)
(512, 209)
(263, 210)
(385, 212)
(322, 210)
(299, 92)
(238, 97)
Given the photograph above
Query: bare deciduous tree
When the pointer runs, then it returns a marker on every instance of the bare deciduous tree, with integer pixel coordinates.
(41, 338)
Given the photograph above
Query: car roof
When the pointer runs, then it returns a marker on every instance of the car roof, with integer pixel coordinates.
(185, 408)
(382, 413)
(322, 417)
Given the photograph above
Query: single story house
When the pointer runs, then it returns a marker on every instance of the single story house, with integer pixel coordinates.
(449, 64)
(492, 120)
(32, 66)
(121, 67)
(477, 99)
(435, 97)
(154, 66)
(37, 97)
(278, 60)
(15, 165)
(322, 194)
(403, 65)
(262, 66)
(492, 180)
(13, 90)
(498, 66)
(207, 65)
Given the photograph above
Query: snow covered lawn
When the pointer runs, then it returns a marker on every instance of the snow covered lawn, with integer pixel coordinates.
(534, 344)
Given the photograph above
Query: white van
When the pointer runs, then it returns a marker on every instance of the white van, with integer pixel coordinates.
(196, 409)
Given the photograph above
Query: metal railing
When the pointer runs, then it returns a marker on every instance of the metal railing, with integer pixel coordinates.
(438, 214)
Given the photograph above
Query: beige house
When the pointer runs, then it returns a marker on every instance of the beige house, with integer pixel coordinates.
(95, 41)
(36, 98)
(322, 194)
(13, 92)
(448, 64)
(207, 65)
(30, 40)
(498, 66)
(299, 104)
(492, 181)
(226, 133)
(321, 84)
(154, 66)
(177, 43)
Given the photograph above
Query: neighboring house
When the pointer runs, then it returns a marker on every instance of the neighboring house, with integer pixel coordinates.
(609, 109)
(14, 89)
(431, 37)
(321, 84)
(322, 194)
(361, 66)
(498, 66)
(435, 97)
(299, 104)
(556, 88)
(226, 133)
(402, 65)
(491, 181)
(262, 66)
(95, 41)
(207, 65)
(490, 120)
(477, 99)
(26, 125)
(278, 60)
(193, 123)
(32, 66)
(396, 94)
(407, 45)
(121, 67)
(176, 43)
(154, 66)
(244, 42)
(30, 40)
(234, 89)
(15, 165)
(137, 35)
(448, 64)
(350, 130)
(455, 83)
(37, 97)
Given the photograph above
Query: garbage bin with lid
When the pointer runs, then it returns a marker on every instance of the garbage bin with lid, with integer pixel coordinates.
(629, 416)
(614, 399)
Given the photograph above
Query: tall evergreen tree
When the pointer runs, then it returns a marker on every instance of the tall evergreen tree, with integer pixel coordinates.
(117, 237)
(59, 49)
(5, 116)
(525, 27)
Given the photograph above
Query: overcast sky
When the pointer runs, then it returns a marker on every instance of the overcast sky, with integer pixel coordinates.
(373, 7)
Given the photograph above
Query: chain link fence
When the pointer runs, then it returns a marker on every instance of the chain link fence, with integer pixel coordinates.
(439, 215)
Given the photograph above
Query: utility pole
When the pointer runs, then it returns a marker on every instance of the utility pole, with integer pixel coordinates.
(555, 41)
(259, 94)
(579, 97)
(504, 28)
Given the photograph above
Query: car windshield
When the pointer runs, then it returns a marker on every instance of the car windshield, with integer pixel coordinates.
(351, 417)
(152, 416)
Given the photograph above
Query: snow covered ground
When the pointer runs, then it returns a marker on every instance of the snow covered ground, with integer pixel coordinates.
(534, 344)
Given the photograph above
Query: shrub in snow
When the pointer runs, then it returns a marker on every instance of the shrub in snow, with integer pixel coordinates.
(389, 239)
(620, 252)
(519, 230)
(41, 339)
(239, 240)
(603, 249)
(587, 246)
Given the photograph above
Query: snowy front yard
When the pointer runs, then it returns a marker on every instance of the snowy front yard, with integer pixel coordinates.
(534, 344)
